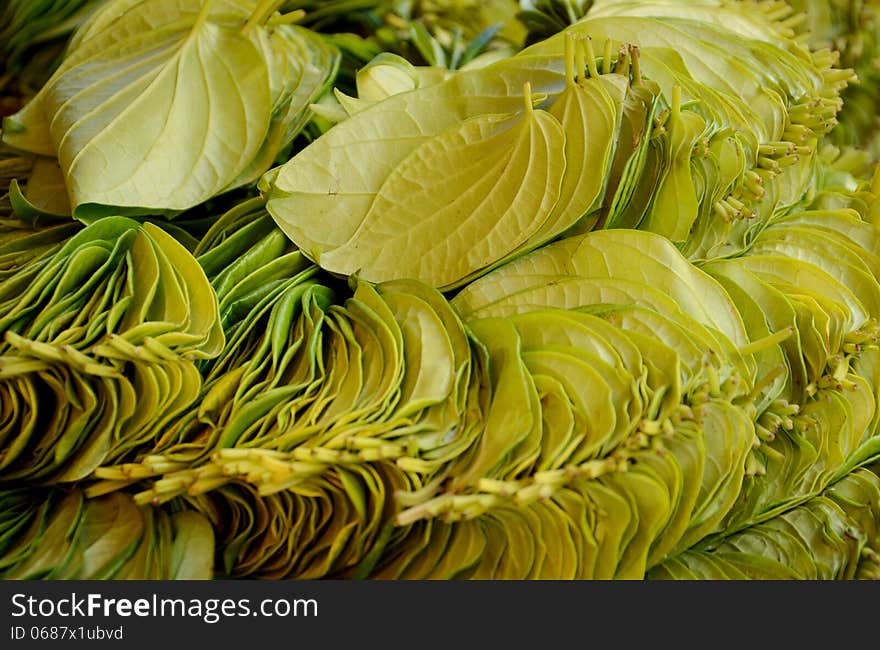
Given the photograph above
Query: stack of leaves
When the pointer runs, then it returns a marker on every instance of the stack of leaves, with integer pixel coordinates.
(618, 428)
(831, 536)
(99, 345)
(490, 428)
(334, 403)
(852, 28)
(735, 456)
(689, 155)
(68, 536)
(815, 272)
(743, 108)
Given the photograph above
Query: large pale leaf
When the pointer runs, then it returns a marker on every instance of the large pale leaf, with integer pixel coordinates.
(459, 202)
(161, 105)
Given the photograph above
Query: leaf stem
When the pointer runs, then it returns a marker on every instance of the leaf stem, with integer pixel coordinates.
(607, 53)
(569, 58)
(203, 14)
(579, 56)
(766, 342)
(591, 58)
(636, 66)
(623, 63)
(262, 13)
(676, 103)
(288, 18)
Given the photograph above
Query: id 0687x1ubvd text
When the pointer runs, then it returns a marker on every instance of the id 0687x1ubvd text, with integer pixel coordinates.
(65, 633)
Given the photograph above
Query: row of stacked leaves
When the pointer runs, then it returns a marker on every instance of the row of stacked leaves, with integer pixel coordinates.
(605, 306)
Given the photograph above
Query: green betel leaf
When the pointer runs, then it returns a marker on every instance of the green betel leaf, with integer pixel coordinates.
(429, 357)
(676, 203)
(110, 532)
(161, 105)
(612, 259)
(319, 197)
(459, 202)
(45, 198)
(192, 552)
(588, 115)
(514, 411)
(51, 547)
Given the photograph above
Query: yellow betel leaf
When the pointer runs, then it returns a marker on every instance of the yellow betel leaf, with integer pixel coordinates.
(459, 202)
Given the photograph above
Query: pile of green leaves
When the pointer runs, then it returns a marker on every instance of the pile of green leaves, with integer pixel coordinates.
(409, 290)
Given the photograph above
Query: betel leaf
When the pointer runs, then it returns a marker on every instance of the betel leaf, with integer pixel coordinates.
(161, 105)
(320, 196)
(192, 552)
(638, 258)
(465, 173)
(676, 204)
(471, 194)
(44, 199)
(589, 115)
